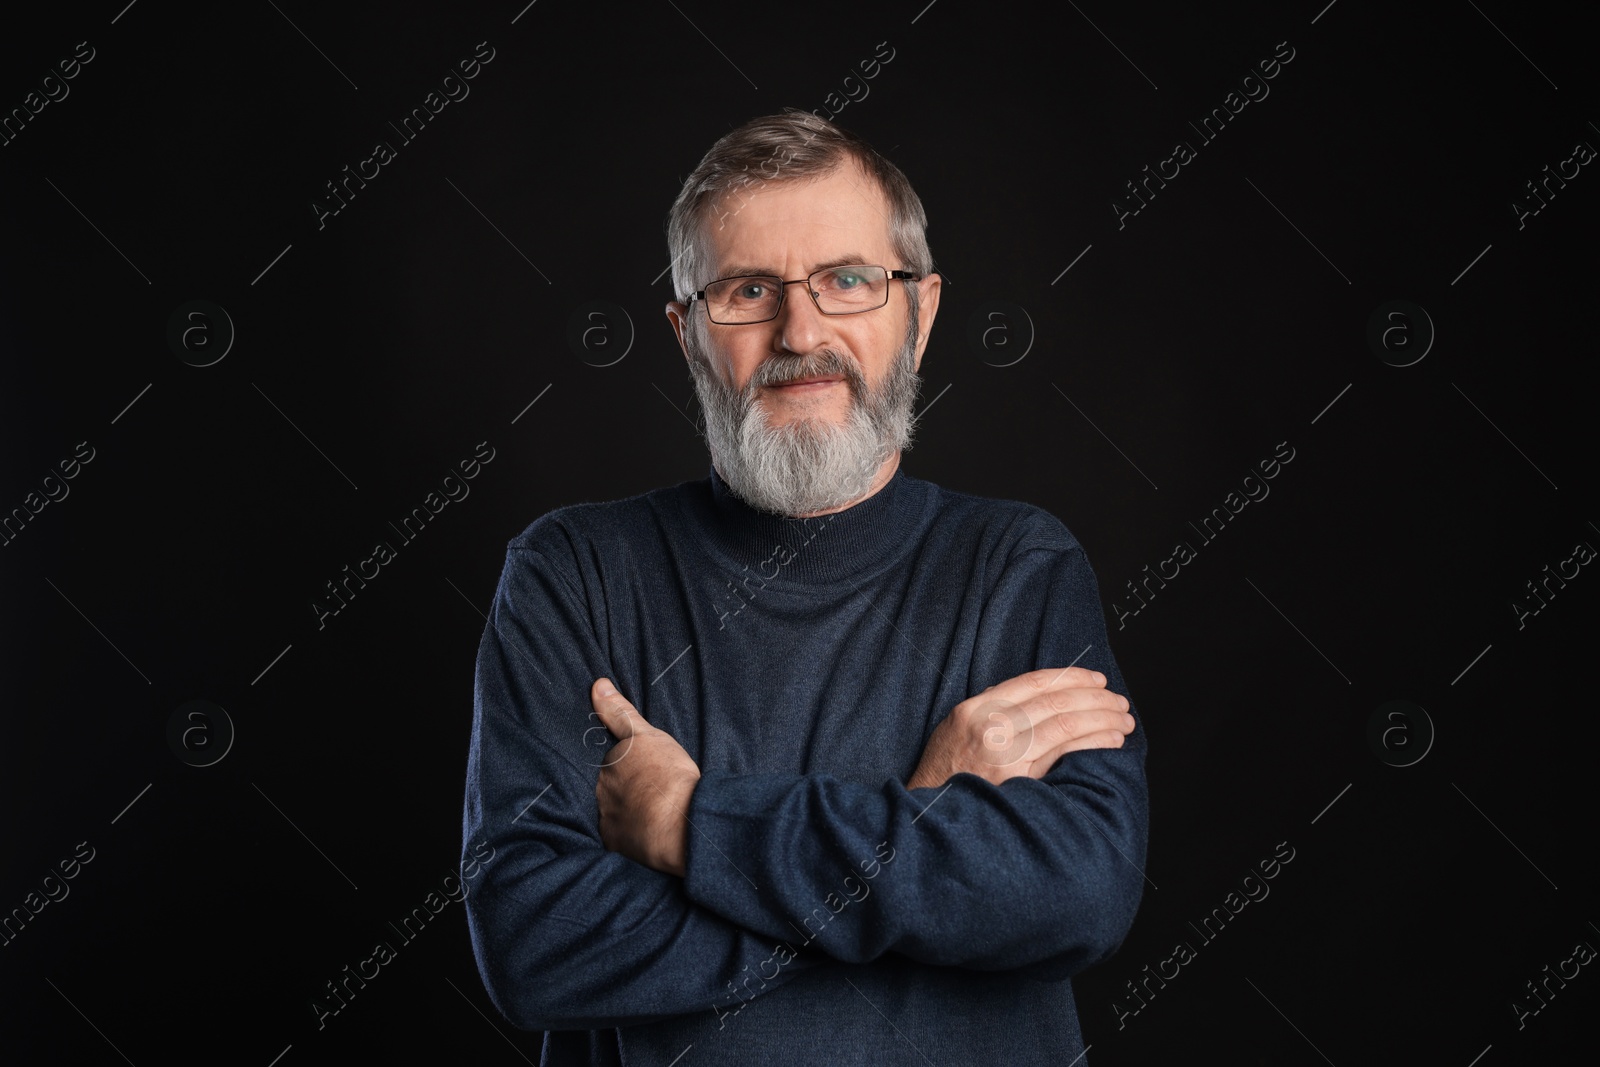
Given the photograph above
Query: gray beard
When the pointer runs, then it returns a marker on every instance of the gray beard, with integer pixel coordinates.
(809, 464)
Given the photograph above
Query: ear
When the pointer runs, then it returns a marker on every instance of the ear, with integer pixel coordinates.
(678, 315)
(927, 307)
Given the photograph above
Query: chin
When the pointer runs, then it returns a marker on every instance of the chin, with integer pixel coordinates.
(807, 408)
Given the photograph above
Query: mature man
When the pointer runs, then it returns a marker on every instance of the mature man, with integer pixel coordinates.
(875, 795)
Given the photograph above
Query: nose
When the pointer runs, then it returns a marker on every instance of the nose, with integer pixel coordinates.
(800, 327)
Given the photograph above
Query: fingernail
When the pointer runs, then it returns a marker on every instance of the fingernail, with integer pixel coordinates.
(606, 688)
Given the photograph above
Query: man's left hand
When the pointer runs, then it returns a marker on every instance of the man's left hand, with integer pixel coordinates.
(644, 788)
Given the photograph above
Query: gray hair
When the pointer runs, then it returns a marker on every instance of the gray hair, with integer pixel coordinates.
(790, 146)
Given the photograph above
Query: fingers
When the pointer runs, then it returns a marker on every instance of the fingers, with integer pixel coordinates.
(1040, 683)
(1017, 706)
(1057, 678)
(1070, 726)
(614, 709)
(1100, 739)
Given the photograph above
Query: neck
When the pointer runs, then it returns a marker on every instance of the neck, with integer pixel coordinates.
(830, 547)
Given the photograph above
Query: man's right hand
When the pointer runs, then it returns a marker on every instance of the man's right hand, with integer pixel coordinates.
(1023, 725)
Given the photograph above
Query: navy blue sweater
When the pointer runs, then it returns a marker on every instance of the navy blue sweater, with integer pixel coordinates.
(828, 914)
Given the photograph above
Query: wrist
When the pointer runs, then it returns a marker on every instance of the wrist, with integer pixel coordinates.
(674, 859)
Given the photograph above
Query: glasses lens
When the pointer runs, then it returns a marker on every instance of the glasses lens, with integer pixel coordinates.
(743, 299)
(844, 290)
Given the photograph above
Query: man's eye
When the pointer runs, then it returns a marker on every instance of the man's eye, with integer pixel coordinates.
(751, 291)
(846, 281)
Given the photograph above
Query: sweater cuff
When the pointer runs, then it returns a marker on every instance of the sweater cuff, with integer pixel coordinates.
(720, 816)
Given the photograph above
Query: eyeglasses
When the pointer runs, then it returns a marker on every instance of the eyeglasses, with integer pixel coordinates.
(836, 291)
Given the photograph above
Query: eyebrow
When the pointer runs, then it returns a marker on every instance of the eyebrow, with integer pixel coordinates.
(852, 259)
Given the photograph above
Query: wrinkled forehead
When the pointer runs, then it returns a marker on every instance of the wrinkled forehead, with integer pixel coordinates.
(781, 227)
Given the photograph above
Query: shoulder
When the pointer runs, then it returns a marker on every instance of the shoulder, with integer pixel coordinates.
(587, 530)
(1006, 528)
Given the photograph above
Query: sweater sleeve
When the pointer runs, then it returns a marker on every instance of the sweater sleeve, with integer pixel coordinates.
(568, 935)
(1042, 875)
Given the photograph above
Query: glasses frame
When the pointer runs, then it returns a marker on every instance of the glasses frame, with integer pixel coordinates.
(783, 291)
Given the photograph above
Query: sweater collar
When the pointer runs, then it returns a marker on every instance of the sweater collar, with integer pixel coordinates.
(822, 550)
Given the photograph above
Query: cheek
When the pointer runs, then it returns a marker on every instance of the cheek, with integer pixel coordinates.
(743, 353)
(876, 349)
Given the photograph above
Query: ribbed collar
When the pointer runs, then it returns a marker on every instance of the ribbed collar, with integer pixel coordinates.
(827, 549)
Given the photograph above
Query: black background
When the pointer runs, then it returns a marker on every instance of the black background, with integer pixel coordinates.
(1178, 350)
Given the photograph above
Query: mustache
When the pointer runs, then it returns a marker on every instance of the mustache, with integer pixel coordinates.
(781, 370)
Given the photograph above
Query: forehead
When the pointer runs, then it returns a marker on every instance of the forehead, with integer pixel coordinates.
(778, 227)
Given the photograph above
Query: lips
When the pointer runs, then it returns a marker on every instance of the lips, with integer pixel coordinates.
(818, 380)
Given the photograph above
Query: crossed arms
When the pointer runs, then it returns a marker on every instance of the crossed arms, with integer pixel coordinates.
(615, 896)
